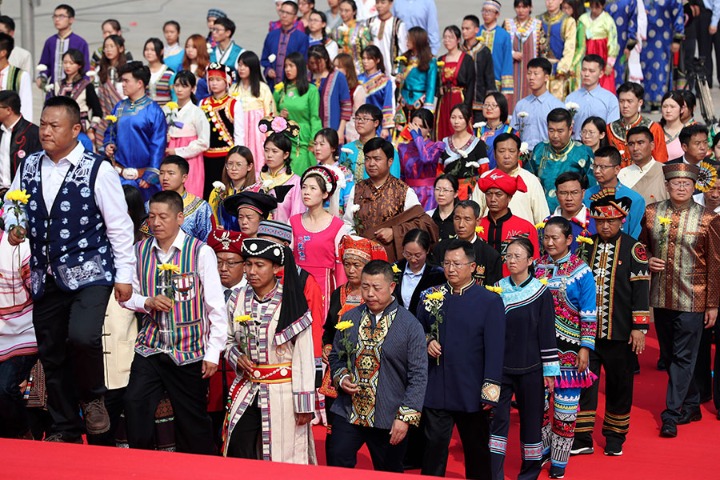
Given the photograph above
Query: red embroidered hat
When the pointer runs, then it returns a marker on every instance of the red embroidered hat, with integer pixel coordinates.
(225, 241)
(501, 180)
(604, 205)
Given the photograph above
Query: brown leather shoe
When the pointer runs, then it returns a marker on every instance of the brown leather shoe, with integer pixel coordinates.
(97, 420)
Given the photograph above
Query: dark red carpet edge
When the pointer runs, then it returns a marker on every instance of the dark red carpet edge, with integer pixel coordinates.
(646, 456)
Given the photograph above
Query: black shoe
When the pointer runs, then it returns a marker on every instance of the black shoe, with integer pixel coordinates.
(613, 450)
(668, 430)
(718, 415)
(557, 472)
(661, 365)
(687, 417)
(63, 438)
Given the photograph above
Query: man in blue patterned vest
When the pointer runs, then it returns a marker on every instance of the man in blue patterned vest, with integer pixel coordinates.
(80, 244)
(177, 288)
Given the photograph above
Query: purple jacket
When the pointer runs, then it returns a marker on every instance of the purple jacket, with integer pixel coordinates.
(47, 57)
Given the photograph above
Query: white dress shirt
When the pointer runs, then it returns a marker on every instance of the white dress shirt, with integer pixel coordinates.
(25, 92)
(5, 160)
(22, 59)
(213, 298)
(700, 199)
(411, 199)
(110, 199)
(385, 44)
(410, 282)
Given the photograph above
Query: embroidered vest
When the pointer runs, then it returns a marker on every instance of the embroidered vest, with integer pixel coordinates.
(179, 333)
(13, 82)
(71, 240)
(222, 126)
(378, 205)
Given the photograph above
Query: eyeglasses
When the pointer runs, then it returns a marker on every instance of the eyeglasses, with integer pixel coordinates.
(228, 263)
(602, 167)
(414, 256)
(363, 119)
(453, 265)
(490, 106)
(444, 190)
(682, 185)
(588, 133)
(515, 256)
(234, 166)
(218, 29)
(285, 12)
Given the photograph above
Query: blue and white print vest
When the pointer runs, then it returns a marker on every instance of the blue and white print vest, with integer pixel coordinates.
(70, 240)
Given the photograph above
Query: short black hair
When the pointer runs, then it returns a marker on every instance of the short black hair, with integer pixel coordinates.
(379, 267)
(472, 204)
(688, 132)
(611, 153)
(504, 137)
(372, 110)
(72, 109)
(227, 24)
(8, 22)
(294, 5)
(379, 143)
(541, 62)
(593, 58)
(7, 43)
(526, 3)
(170, 198)
(425, 115)
(450, 178)
(561, 222)
(558, 115)
(10, 99)
(472, 18)
(464, 245)
(421, 237)
(632, 87)
(137, 70)
(640, 130)
(181, 163)
(70, 10)
(571, 177)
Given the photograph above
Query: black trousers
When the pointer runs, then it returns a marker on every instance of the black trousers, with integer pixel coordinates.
(474, 430)
(214, 167)
(716, 369)
(348, 440)
(529, 390)
(187, 390)
(702, 376)
(616, 359)
(679, 336)
(245, 438)
(68, 327)
(697, 32)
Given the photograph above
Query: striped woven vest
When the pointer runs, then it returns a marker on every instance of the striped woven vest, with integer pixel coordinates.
(179, 333)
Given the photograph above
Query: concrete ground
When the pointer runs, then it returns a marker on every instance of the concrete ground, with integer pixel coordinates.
(142, 19)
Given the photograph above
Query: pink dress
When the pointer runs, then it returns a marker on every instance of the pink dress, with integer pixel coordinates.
(317, 253)
(292, 204)
(256, 108)
(189, 135)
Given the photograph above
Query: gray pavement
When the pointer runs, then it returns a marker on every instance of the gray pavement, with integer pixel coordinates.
(142, 19)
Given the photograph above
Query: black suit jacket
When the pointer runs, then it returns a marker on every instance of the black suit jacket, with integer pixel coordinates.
(24, 141)
(432, 276)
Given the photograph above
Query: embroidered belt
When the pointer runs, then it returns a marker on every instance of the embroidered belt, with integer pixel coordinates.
(271, 373)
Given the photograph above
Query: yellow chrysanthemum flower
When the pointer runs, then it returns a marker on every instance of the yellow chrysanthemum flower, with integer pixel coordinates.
(395, 269)
(20, 196)
(497, 290)
(242, 318)
(344, 325)
(479, 230)
(540, 225)
(544, 281)
(435, 296)
(587, 240)
(165, 267)
(172, 105)
(279, 86)
(111, 118)
(665, 220)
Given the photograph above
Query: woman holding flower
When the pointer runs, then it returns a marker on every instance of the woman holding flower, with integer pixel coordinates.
(188, 131)
(80, 88)
(495, 110)
(352, 37)
(457, 80)
(531, 360)
(299, 100)
(465, 156)
(238, 175)
(572, 285)
(109, 90)
(416, 248)
(226, 118)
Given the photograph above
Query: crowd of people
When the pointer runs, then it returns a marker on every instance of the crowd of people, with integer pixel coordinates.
(341, 224)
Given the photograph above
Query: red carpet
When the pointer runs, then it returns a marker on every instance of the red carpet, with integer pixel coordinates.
(646, 455)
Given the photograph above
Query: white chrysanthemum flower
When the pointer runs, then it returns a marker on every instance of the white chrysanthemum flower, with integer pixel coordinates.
(219, 186)
(479, 125)
(272, 58)
(523, 114)
(524, 147)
